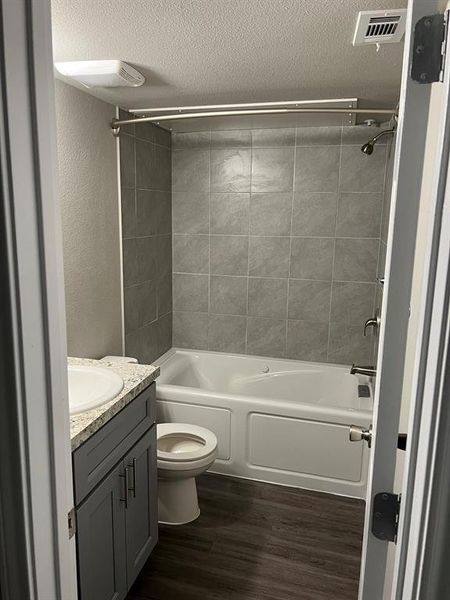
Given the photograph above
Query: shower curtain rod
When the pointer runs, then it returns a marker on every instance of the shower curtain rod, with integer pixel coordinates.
(116, 123)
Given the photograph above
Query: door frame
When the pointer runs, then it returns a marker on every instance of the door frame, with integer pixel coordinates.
(420, 568)
(36, 557)
(405, 204)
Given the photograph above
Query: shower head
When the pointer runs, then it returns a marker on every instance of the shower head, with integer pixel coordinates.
(368, 147)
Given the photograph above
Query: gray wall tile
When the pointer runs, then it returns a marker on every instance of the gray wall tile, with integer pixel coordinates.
(361, 172)
(147, 249)
(190, 253)
(360, 134)
(164, 255)
(164, 334)
(266, 337)
(318, 136)
(270, 214)
(153, 133)
(146, 252)
(190, 170)
(145, 163)
(140, 304)
(314, 214)
(268, 256)
(286, 226)
(312, 258)
(309, 300)
(231, 139)
(194, 139)
(359, 215)
(352, 303)
(130, 263)
(356, 259)
(269, 138)
(272, 169)
(317, 169)
(163, 212)
(227, 333)
(228, 295)
(267, 297)
(146, 213)
(127, 161)
(143, 343)
(190, 292)
(164, 289)
(348, 344)
(128, 208)
(229, 213)
(230, 170)
(162, 169)
(190, 330)
(307, 340)
(229, 254)
(190, 212)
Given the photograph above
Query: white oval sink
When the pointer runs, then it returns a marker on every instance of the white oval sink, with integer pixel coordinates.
(90, 387)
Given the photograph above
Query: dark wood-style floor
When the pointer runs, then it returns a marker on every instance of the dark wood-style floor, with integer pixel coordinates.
(256, 541)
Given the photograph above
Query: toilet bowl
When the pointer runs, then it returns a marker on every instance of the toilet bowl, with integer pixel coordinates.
(183, 451)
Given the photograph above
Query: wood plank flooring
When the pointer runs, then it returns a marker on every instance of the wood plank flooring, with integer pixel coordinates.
(256, 541)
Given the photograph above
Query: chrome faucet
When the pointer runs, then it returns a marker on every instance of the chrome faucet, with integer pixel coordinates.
(366, 370)
(374, 322)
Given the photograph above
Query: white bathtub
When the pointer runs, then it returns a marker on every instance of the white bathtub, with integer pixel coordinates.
(280, 421)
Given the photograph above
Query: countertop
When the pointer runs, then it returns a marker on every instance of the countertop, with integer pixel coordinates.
(136, 378)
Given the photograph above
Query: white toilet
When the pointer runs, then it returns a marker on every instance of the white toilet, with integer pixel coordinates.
(184, 451)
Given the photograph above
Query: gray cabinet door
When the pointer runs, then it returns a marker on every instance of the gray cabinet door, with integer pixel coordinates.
(101, 541)
(141, 516)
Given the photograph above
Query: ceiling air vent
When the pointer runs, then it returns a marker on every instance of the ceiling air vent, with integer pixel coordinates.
(380, 27)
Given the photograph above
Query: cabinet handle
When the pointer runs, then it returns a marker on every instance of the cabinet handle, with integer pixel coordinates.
(133, 487)
(127, 485)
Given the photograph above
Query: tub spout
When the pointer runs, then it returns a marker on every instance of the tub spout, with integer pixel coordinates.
(369, 371)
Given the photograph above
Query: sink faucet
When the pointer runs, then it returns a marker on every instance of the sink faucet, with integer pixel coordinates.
(367, 370)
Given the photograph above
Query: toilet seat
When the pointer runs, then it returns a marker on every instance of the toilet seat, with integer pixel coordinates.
(182, 442)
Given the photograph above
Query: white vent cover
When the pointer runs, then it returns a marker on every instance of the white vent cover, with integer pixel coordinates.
(101, 73)
(380, 27)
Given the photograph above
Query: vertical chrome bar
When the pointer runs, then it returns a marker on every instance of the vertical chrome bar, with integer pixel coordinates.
(124, 475)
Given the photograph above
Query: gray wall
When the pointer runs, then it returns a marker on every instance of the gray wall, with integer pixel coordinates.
(276, 238)
(147, 241)
(90, 219)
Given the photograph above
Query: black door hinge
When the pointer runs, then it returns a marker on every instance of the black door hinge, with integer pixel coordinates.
(385, 513)
(430, 41)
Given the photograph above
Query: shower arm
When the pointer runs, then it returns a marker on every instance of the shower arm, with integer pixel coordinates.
(375, 139)
(205, 113)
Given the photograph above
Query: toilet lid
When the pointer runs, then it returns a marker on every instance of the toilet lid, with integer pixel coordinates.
(179, 442)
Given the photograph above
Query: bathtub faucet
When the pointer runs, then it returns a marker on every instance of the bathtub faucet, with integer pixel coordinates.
(369, 371)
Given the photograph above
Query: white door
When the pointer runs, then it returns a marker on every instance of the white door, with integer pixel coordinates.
(406, 194)
(38, 554)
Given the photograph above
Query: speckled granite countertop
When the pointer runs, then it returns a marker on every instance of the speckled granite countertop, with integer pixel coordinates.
(136, 378)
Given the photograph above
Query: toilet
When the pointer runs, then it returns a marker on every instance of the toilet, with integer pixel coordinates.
(183, 451)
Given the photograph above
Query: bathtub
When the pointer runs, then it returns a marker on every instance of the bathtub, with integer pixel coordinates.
(278, 421)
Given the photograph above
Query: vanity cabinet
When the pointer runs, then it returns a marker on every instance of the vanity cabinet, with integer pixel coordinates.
(117, 520)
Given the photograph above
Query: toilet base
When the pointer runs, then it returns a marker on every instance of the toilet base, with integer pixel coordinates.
(177, 501)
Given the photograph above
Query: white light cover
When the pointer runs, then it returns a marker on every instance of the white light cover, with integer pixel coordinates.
(101, 73)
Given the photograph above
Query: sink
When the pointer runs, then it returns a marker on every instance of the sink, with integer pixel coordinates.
(90, 387)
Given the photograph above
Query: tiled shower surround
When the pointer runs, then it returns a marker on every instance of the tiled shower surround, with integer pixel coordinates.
(145, 165)
(276, 241)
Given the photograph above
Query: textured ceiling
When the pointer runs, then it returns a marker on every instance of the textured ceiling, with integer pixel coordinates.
(218, 51)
